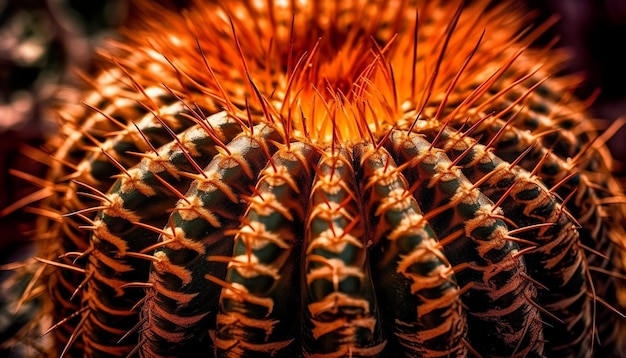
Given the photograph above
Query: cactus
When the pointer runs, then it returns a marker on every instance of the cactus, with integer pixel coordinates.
(326, 179)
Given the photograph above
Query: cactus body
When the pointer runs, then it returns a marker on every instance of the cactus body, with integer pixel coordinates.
(331, 179)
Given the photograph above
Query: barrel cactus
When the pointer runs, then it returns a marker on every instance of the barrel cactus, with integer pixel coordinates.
(327, 179)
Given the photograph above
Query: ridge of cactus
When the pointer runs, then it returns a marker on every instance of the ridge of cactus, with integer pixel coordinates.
(327, 179)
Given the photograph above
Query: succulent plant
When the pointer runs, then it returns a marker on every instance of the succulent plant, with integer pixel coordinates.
(327, 179)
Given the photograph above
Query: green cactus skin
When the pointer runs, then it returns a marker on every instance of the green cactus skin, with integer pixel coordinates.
(329, 179)
(418, 290)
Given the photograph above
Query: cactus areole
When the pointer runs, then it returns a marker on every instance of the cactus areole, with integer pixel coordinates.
(329, 179)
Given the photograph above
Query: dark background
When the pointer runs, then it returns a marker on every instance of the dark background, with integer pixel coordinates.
(594, 31)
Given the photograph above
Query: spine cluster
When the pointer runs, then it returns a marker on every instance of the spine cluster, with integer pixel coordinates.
(390, 188)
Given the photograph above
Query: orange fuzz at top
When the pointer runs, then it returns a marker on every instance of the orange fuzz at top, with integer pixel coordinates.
(352, 178)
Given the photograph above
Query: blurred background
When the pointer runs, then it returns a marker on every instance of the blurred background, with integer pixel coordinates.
(594, 31)
(44, 42)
